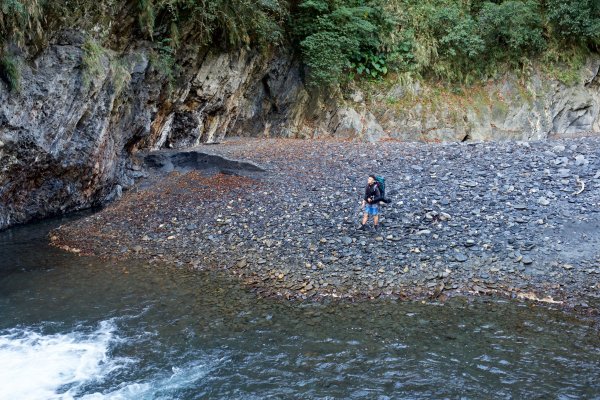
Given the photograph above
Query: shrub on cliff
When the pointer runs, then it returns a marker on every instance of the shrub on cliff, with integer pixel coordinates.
(336, 35)
(576, 20)
(512, 29)
(10, 72)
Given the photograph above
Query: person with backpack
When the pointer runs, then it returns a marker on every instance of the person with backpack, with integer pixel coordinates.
(373, 195)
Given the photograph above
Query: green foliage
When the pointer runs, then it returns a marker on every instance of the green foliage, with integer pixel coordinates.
(91, 61)
(203, 22)
(458, 33)
(575, 20)
(469, 40)
(10, 72)
(20, 20)
(564, 64)
(232, 22)
(512, 28)
(371, 65)
(337, 35)
(451, 40)
(120, 75)
(163, 60)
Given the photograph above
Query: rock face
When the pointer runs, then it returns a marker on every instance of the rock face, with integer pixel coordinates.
(510, 108)
(233, 94)
(68, 136)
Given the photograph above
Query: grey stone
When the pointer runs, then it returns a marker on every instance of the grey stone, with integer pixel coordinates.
(460, 257)
(580, 160)
(543, 201)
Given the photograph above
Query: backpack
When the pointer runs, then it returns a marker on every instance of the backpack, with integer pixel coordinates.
(381, 183)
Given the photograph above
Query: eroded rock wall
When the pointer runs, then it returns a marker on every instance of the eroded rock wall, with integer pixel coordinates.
(534, 108)
(66, 138)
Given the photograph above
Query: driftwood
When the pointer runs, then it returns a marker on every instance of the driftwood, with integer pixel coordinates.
(582, 183)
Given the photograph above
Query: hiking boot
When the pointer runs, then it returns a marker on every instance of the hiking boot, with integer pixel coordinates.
(362, 227)
(376, 228)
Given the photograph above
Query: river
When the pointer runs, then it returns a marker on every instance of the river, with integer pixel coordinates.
(80, 327)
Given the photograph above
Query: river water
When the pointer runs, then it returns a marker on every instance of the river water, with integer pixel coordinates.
(79, 327)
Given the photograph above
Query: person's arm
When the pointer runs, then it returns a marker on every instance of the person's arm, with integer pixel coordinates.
(376, 195)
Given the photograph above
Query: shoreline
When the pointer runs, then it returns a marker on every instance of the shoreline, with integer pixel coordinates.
(508, 219)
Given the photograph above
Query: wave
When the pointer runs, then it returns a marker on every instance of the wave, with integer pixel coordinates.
(82, 365)
(57, 366)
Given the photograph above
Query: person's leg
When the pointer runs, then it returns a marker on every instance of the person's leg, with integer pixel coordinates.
(363, 225)
(376, 215)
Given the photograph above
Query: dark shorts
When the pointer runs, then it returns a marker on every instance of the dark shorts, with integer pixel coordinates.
(372, 209)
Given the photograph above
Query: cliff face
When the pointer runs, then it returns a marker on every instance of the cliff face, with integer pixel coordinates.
(67, 137)
(535, 108)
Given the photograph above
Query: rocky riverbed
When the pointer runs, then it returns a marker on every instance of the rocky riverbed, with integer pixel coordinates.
(518, 219)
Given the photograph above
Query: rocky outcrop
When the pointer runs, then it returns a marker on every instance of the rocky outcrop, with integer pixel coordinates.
(232, 94)
(510, 108)
(67, 137)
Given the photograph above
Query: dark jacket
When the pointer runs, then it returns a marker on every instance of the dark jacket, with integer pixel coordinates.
(372, 192)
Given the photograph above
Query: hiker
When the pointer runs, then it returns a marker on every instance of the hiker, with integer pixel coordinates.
(370, 202)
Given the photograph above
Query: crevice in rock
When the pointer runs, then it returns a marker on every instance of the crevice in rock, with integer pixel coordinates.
(269, 94)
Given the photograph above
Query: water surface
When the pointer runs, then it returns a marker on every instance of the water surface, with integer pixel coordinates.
(79, 327)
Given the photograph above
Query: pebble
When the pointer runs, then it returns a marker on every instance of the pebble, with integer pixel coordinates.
(564, 173)
(543, 201)
(580, 160)
(460, 257)
(527, 260)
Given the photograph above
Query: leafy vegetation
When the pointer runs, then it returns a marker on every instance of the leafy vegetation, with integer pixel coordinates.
(449, 40)
(334, 36)
(337, 40)
(10, 72)
(91, 61)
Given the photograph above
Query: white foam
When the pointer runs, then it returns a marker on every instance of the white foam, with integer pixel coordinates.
(58, 367)
(164, 387)
(37, 366)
